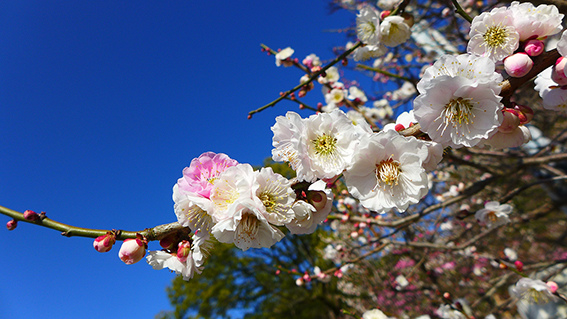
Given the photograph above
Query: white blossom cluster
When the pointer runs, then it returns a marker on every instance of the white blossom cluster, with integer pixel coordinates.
(382, 170)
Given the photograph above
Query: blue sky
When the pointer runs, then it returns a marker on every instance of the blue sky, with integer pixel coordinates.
(102, 104)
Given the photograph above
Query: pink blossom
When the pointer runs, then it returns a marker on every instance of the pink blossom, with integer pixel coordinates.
(200, 176)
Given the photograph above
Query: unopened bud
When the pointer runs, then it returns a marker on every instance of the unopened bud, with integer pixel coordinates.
(534, 47)
(558, 72)
(104, 242)
(447, 295)
(518, 65)
(384, 14)
(317, 198)
(11, 225)
(502, 266)
(552, 286)
(399, 127)
(519, 265)
(168, 241)
(132, 250)
(31, 215)
(525, 113)
(183, 250)
(408, 19)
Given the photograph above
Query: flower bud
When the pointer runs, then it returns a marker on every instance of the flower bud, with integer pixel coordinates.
(511, 121)
(408, 19)
(384, 14)
(104, 243)
(518, 65)
(317, 198)
(552, 286)
(525, 113)
(534, 47)
(168, 242)
(183, 250)
(519, 265)
(31, 215)
(558, 72)
(132, 250)
(11, 225)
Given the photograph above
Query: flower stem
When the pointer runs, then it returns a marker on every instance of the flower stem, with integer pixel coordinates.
(459, 10)
(154, 233)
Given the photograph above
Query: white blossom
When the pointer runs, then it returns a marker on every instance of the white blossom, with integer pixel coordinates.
(394, 31)
(457, 111)
(274, 193)
(387, 172)
(368, 26)
(247, 227)
(539, 22)
(533, 291)
(554, 96)
(493, 34)
(283, 55)
(309, 214)
(493, 214)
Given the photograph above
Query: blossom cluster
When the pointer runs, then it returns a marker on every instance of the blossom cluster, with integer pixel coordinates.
(382, 170)
(220, 199)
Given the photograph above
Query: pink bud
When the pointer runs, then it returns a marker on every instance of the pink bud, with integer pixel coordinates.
(104, 243)
(183, 250)
(534, 47)
(552, 286)
(519, 265)
(511, 121)
(318, 199)
(525, 113)
(132, 250)
(558, 72)
(518, 65)
(31, 215)
(399, 127)
(384, 14)
(11, 225)
(168, 241)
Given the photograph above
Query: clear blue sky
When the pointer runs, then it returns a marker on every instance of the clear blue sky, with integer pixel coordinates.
(102, 104)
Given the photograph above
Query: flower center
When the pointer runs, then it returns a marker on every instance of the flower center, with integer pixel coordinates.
(366, 30)
(269, 202)
(495, 36)
(325, 144)
(249, 225)
(492, 216)
(388, 171)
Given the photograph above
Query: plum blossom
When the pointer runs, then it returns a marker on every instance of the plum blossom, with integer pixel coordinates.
(554, 96)
(322, 148)
(374, 314)
(493, 34)
(387, 172)
(331, 76)
(394, 31)
(368, 52)
(201, 174)
(193, 211)
(457, 111)
(535, 22)
(187, 260)
(314, 210)
(288, 131)
(246, 227)
(283, 56)
(234, 183)
(533, 291)
(493, 214)
(368, 26)
(519, 136)
(274, 194)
